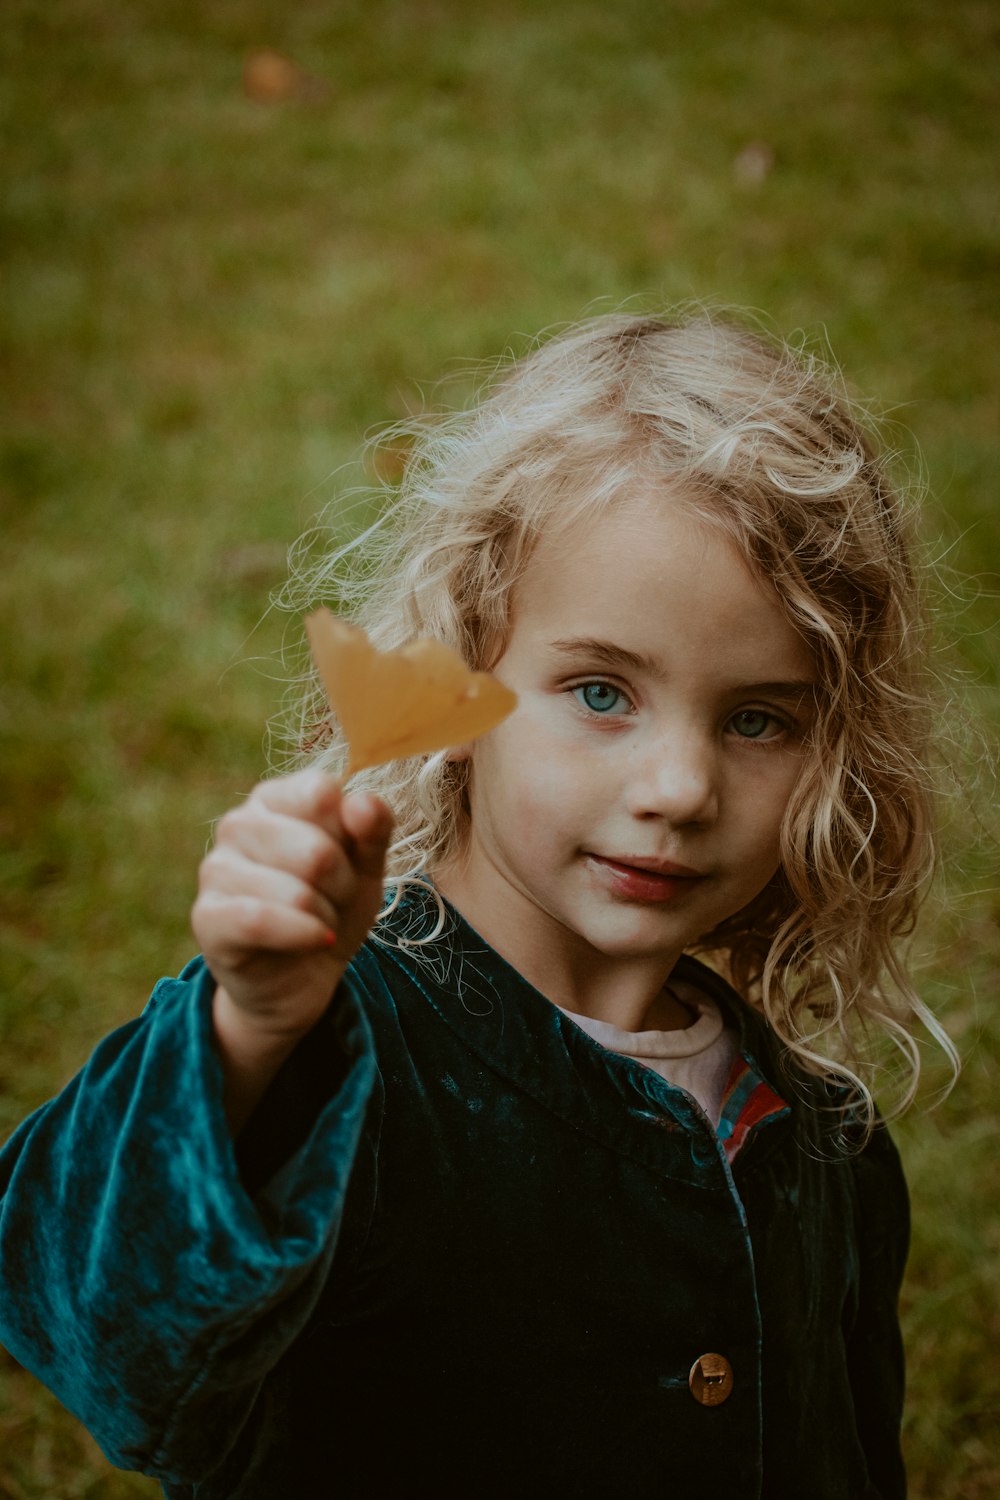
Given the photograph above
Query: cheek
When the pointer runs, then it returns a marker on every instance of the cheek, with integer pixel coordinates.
(518, 790)
(519, 753)
(771, 804)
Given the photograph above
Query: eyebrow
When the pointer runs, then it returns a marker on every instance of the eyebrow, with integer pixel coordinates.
(792, 691)
(607, 652)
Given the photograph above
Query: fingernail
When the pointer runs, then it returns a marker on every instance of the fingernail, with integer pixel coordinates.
(331, 939)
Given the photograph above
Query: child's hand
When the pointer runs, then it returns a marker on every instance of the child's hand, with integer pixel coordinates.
(286, 897)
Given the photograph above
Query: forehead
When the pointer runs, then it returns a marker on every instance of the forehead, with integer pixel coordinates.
(654, 578)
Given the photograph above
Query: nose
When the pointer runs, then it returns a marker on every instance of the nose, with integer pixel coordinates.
(675, 777)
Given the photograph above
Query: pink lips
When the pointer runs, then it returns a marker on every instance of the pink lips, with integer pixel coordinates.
(636, 878)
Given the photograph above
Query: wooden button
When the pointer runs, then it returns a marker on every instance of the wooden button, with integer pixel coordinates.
(711, 1379)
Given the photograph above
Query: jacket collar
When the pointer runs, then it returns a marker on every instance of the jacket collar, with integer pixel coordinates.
(517, 1032)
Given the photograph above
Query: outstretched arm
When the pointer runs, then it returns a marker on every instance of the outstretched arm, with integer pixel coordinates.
(137, 1277)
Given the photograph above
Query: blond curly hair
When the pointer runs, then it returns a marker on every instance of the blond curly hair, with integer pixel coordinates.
(762, 442)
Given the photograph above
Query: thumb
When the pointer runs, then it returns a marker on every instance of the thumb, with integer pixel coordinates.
(367, 821)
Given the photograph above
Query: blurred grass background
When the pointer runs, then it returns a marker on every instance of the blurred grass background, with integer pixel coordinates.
(219, 274)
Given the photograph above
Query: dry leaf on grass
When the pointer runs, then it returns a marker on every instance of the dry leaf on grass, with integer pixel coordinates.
(391, 704)
(271, 78)
(268, 77)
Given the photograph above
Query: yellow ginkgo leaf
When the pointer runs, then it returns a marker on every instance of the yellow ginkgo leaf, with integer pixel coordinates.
(418, 698)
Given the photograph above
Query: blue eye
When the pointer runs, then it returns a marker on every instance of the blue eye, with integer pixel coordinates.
(755, 724)
(601, 698)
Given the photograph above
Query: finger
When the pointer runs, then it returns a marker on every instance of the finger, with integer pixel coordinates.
(224, 872)
(368, 823)
(312, 795)
(277, 841)
(228, 928)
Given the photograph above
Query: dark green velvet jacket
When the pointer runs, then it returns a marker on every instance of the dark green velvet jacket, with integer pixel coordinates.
(460, 1246)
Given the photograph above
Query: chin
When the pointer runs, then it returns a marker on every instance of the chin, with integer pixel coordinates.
(637, 945)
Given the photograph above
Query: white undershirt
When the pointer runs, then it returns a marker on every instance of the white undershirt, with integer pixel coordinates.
(697, 1059)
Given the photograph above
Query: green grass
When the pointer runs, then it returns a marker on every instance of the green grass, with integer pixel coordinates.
(207, 301)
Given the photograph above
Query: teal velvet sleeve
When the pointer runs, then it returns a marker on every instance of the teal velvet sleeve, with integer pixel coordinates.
(165, 1379)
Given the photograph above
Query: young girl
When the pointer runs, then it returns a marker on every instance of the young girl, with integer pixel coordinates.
(497, 1189)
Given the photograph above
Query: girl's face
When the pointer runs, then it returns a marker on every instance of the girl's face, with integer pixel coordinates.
(634, 798)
